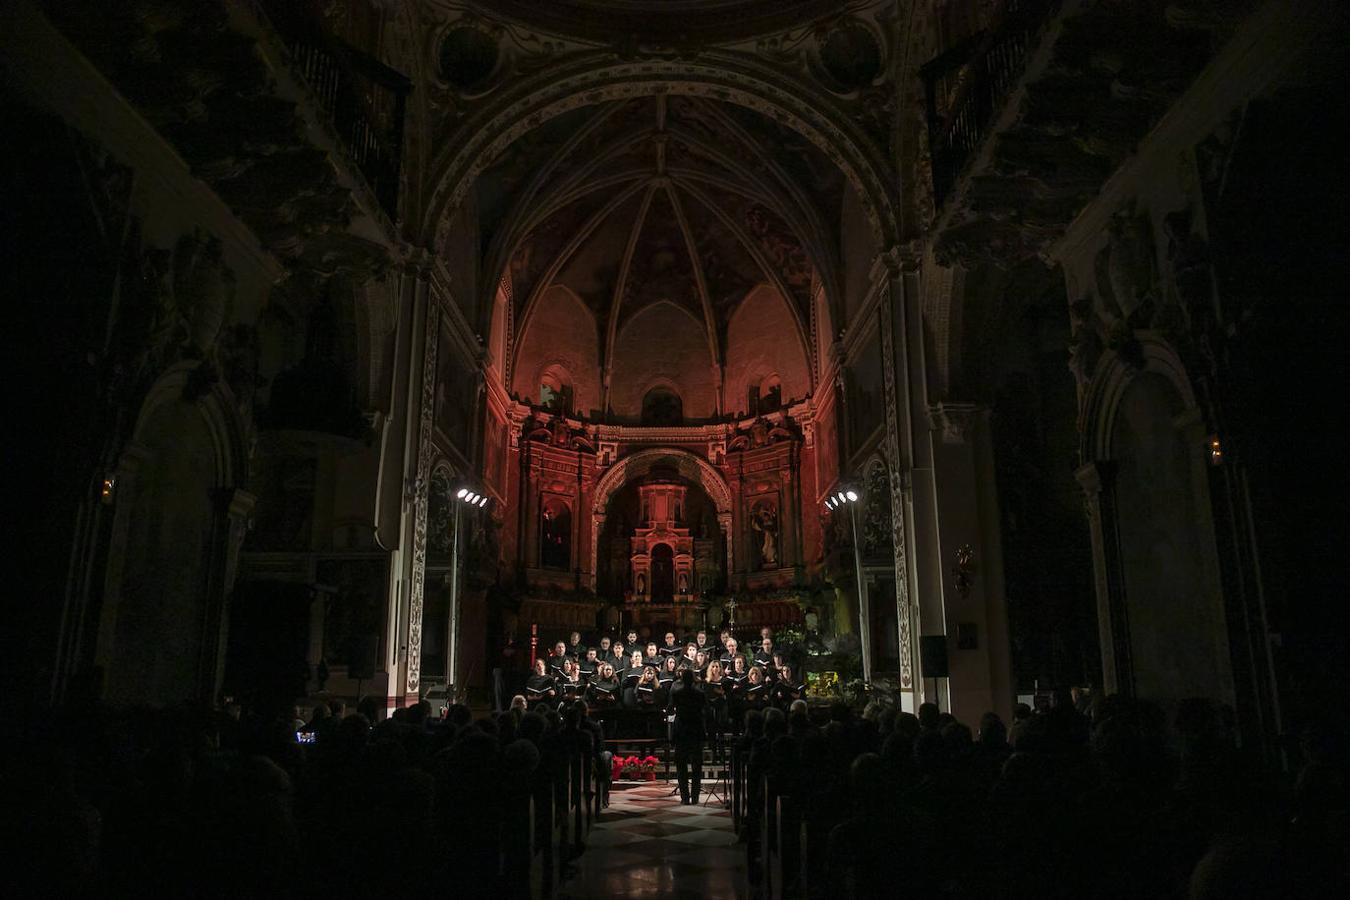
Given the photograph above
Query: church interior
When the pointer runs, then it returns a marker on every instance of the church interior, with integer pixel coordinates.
(972, 365)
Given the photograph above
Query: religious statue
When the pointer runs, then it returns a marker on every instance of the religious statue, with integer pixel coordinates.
(764, 519)
(684, 583)
(641, 584)
(560, 432)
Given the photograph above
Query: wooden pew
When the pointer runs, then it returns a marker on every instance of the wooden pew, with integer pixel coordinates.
(576, 801)
(768, 838)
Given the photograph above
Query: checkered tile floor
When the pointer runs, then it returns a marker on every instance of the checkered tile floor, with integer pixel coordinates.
(647, 845)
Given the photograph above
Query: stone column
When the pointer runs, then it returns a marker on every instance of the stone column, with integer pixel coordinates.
(403, 629)
(724, 522)
(597, 525)
(1098, 482)
(913, 509)
(981, 675)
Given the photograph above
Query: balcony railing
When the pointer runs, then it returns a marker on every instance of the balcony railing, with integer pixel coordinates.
(966, 85)
(363, 99)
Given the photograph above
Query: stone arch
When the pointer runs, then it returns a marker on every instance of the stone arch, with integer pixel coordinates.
(539, 344)
(1101, 400)
(1161, 609)
(688, 465)
(176, 532)
(592, 78)
(216, 403)
(637, 465)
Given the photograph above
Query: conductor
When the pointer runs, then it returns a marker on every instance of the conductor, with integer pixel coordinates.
(688, 734)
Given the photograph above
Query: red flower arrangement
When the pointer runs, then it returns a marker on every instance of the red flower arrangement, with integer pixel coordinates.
(633, 768)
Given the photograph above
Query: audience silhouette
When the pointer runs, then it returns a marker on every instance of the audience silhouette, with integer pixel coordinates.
(227, 803)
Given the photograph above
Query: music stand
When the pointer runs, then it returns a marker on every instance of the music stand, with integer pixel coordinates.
(714, 792)
(670, 748)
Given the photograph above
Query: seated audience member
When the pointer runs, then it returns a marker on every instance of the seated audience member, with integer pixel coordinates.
(540, 687)
(604, 690)
(519, 706)
(647, 692)
(671, 647)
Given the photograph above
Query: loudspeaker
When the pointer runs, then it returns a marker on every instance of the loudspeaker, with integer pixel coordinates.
(933, 655)
(363, 655)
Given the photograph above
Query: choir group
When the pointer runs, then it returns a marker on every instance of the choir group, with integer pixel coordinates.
(627, 674)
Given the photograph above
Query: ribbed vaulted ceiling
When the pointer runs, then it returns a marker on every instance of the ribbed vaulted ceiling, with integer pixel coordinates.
(669, 198)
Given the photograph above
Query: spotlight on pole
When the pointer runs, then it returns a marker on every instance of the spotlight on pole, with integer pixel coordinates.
(463, 492)
(852, 496)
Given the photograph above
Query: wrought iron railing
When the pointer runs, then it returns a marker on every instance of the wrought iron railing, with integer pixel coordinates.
(363, 99)
(966, 85)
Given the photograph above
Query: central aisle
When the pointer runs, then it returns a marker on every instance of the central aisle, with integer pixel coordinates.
(647, 845)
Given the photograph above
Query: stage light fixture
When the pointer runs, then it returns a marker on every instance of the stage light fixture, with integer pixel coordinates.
(462, 493)
(852, 496)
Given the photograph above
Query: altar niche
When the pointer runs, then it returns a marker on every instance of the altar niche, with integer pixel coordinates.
(661, 550)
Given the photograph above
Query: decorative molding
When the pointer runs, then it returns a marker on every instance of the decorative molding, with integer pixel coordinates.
(689, 465)
(1101, 398)
(898, 488)
(954, 420)
(425, 454)
(1267, 46)
(590, 78)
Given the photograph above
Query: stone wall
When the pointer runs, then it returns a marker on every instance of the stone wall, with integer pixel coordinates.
(662, 345)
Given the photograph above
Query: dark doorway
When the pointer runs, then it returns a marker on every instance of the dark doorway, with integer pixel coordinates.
(663, 574)
(269, 632)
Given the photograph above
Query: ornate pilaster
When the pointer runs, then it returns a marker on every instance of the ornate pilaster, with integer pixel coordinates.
(954, 421)
(724, 522)
(425, 453)
(898, 489)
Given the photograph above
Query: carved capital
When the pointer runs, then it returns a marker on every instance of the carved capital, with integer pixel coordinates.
(1095, 476)
(955, 420)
